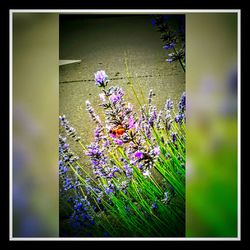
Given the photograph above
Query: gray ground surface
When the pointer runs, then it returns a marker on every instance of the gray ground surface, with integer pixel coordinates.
(104, 43)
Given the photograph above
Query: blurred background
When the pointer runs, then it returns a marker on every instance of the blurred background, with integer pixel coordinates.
(211, 86)
(211, 189)
(35, 125)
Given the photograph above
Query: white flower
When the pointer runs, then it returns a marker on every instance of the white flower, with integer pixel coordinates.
(146, 173)
(130, 107)
(102, 97)
(156, 151)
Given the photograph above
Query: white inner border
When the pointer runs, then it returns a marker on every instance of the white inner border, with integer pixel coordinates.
(117, 11)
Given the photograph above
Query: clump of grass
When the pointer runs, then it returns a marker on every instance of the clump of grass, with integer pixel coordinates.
(134, 182)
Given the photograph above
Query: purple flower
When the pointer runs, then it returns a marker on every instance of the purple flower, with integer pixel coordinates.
(182, 103)
(115, 98)
(154, 205)
(101, 78)
(112, 135)
(169, 104)
(140, 166)
(62, 168)
(169, 125)
(110, 175)
(128, 170)
(169, 60)
(116, 95)
(168, 116)
(169, 46)
(92, 113)
(118, 142)
(97, 132)
(109, 190)
(131, 122)
(173, 135)
(153, 117)
(153, 21)
(158, 120)
(95, 163)
(105, 142)
(62, 118)
(93, 150)
(177, 118)
(138, 155)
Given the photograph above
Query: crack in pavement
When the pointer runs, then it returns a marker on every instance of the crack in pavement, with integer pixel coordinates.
(114, 78)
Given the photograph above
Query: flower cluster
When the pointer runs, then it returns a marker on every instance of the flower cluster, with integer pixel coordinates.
(72, 185)
(124, 129)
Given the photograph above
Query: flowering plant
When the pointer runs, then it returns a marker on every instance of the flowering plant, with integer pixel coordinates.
(173, 39)
(134, 181)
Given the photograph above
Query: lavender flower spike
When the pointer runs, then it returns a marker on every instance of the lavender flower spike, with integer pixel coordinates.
(92, 113)
(173, 135)
(101, 78)
(169, 104)
(150, 96)
(182, 103)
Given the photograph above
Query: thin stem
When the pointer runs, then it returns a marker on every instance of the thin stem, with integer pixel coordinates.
(179, 60)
